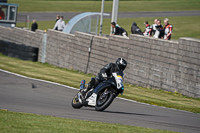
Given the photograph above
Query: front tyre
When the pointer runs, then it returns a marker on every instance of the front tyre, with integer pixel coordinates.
(104, 100)
(75, 102)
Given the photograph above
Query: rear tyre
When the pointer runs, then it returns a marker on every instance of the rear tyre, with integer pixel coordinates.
(104, 100)
(75, 102)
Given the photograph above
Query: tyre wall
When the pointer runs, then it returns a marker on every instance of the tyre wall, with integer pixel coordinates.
(19, 51)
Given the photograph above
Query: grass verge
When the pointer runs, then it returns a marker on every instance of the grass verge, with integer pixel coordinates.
(12, 122)
(182, 26)
(73, 78)
(95, 6)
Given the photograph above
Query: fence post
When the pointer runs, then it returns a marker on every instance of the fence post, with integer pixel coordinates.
(27, 21)
(44, 43)
(90, 48)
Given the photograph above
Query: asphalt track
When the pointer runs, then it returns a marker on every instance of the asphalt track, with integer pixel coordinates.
(21, 94)
(44, 16)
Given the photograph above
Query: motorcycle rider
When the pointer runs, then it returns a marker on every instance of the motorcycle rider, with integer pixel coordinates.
(105, 73)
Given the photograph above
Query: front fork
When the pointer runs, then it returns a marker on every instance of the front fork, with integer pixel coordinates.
(115, 93)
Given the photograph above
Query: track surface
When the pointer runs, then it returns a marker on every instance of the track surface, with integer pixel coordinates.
(25, 95)
(42, 16)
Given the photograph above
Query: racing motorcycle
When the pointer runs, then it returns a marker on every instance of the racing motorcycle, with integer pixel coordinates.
(102, 95)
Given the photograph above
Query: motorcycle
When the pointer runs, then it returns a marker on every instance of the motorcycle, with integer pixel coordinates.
(101, 96)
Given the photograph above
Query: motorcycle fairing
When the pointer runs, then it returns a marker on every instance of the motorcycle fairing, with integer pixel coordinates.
(117, 82)
(92, 100)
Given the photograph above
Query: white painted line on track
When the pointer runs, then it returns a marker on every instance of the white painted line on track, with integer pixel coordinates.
(38, 79)
(78, 89)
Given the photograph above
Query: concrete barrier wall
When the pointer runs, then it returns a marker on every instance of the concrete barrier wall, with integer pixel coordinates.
(155, 63)
(68, 51)
(21, 36)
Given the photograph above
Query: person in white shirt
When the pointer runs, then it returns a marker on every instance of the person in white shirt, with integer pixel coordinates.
(154, 26)
(159, 30)
(60, 24)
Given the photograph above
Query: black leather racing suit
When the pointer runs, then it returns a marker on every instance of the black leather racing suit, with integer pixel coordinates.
(106, 70)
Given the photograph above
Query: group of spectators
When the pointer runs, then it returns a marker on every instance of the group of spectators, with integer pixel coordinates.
(60, 23)
(156, 30)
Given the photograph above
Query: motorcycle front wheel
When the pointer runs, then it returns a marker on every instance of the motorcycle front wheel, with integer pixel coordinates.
(75, 102)
(104, 99)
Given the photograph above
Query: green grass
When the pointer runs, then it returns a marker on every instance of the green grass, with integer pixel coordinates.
(43, 25)
(187, 26)
(95, 6)
(73, 78)
(12, 122)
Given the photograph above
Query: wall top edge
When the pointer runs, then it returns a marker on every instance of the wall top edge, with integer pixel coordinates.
(189, 39)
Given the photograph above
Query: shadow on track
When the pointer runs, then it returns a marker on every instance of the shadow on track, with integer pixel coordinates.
(119, 112)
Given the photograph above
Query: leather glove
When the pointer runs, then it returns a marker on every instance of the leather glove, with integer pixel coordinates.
(104, 75)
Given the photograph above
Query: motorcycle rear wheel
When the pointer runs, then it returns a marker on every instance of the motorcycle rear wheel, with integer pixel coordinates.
(75, 102)
(104, 100)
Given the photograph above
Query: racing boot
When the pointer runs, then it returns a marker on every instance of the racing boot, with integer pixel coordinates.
(84, 91)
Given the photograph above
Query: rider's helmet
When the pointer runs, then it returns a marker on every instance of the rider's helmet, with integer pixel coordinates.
(121, 64)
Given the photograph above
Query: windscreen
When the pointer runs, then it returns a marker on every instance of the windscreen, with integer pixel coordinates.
(12, 13)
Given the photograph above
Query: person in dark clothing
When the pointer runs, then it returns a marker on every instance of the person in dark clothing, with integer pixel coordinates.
(117, 30)
(34, 26)
(105, 73)
(57, 17)
(135, 29)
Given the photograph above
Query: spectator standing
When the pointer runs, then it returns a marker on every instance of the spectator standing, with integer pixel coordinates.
(148, 29)
(34, 26)
(154, 26)
(60, 24)
(159, 30)
(57, 18)
(167, 29)
(117, 30)
(135, 29)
